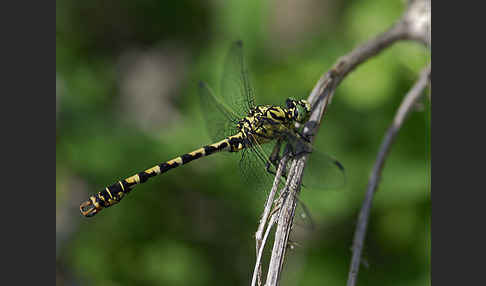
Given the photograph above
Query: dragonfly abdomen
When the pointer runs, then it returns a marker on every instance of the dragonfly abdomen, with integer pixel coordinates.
(113, 194)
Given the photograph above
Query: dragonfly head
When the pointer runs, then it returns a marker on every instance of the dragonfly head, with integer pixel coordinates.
(299, 109)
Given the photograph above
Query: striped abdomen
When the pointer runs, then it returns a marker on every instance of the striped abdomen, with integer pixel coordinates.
(113, 194)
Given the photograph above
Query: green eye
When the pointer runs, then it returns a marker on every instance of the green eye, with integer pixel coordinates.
(304, 110)
(302, 113)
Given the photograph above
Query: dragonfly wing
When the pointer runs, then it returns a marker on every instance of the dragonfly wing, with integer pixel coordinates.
(236, 96)
(322, 171)
(236, 90)
(303, 217)
(252, 166)
(220, 119)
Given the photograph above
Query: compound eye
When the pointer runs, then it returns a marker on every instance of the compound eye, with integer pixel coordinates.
(306, 106)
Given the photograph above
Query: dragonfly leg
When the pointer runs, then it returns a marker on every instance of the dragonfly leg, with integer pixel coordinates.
(275, 156)
(301, 151)
(268, 168)
(302, 136)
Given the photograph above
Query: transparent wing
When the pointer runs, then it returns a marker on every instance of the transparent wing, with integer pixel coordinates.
(253, 168)
(220, 119)
(236, 90)
(303, 216)
(322, 171)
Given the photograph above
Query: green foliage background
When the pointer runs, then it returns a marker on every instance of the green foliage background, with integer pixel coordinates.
(195, 225)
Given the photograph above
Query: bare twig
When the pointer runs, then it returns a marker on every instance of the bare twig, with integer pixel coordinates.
(257, 271)
(260, 242)
(285, 219)
(405, 107)
(268, 204)
(319, 99)
(321, 95)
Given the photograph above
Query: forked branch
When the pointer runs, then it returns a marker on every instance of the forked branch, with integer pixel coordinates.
(414, 25)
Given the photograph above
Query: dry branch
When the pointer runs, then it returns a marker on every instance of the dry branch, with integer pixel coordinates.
(407, 104)
(414, 25)
(260, 241)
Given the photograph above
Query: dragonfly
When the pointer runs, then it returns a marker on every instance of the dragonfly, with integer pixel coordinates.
(236, 124)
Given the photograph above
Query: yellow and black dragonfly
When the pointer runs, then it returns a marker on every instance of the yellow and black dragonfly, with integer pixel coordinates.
(236, 124)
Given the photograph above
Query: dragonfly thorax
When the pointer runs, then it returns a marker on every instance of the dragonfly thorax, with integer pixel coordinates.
(268, 122)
